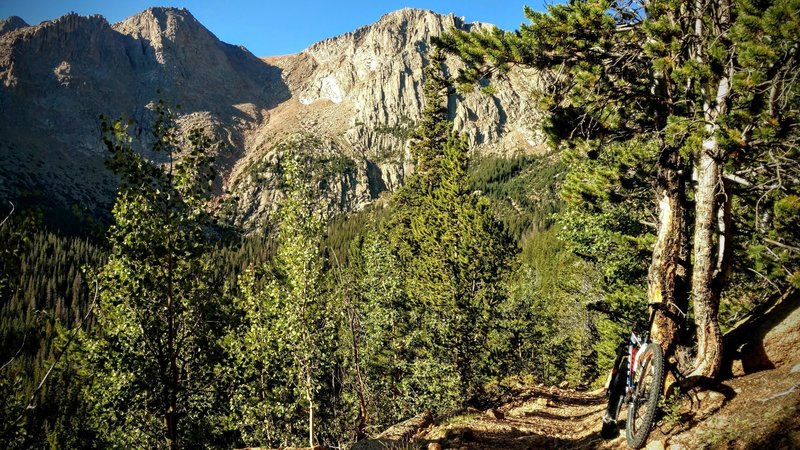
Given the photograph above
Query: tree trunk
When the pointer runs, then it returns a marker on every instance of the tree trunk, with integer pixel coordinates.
(310, 399)
(712, 247)
(667, 277)
(705, 289)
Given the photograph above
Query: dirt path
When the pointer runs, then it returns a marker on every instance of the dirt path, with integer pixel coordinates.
(538, 418)
(755, 411)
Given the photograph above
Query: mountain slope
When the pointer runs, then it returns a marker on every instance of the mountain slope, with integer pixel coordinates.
(356, 97)
(56, 78)
(12, 23)
(360, 93)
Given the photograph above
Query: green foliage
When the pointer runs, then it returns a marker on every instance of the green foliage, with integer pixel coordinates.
(670, 406)
(608, 208)
(432, 277)
(404, 129)
(636, 92)
(46, 297)
(284, 348)
(424, 303)
(320, 161)
(152, 356)
(547, 330)
(345, 230)
(523, 191)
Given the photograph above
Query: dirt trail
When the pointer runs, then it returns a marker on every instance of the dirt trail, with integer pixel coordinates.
(759, 410)
(538, 418)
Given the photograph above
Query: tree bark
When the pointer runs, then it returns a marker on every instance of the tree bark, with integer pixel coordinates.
(705, 288)
(711, 248)
(667, 277)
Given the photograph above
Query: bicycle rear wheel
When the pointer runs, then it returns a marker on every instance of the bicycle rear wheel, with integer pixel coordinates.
(616, 391)
(643, 405)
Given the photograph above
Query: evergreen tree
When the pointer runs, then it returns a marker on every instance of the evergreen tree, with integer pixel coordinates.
(434, 330)
(707, 82)
(45, 303)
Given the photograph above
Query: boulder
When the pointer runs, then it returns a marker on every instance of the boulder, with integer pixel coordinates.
(405, 430)
(494, 413)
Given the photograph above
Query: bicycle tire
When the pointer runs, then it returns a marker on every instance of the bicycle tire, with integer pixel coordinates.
(616, 392)
(646, 395)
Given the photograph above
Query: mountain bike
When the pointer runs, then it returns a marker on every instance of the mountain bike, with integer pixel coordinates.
(637, 380)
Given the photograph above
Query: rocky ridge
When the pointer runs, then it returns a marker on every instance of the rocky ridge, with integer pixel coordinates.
(57, 77)
(12, 23)
(355, 96)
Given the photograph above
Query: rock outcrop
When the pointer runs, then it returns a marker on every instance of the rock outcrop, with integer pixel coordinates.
(362, 91)
(358, 95)
(57, 77)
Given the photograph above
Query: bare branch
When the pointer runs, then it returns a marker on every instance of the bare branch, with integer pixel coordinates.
(781, 245)
(9, 214)
(736, 179)
(24, 337)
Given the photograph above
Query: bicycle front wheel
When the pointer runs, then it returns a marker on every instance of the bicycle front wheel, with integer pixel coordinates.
(642, 408)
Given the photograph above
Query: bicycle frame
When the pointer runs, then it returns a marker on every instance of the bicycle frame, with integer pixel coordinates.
(636, 343)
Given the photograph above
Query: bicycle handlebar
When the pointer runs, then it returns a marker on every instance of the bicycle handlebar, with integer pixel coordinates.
(600, 306)
(668, 308)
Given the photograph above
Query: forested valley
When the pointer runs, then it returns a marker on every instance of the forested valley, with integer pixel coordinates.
(673, 176)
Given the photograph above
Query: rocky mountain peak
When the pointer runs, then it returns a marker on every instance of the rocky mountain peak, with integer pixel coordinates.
(72, 22)
(414, 16)
(12, 23)
(163, 23)
(361, 93)
(356, 98)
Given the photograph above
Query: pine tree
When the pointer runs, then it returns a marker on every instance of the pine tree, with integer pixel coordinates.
(450, 256)
(706, 81)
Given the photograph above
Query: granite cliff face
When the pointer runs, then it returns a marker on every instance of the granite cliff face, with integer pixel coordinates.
(361, 92)
(349, 103)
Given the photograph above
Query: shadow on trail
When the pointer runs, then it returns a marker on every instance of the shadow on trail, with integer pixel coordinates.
(551, 416)
(577, 398)
(515, 440)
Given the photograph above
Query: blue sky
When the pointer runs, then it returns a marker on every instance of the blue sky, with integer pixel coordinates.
(275, 27)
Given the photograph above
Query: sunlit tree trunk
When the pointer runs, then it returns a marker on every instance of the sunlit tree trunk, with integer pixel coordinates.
(710, 258)
(667, 277)
(711, 239)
